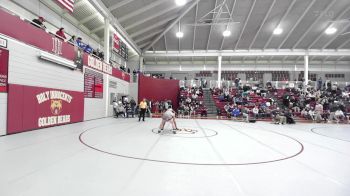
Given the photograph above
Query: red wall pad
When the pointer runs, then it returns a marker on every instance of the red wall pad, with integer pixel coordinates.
(35, 107)
(159, 89)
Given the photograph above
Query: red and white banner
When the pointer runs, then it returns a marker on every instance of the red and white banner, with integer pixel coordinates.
(103, 67)
(4, 61)
(68, 4)
(116, 43)
(36, 107)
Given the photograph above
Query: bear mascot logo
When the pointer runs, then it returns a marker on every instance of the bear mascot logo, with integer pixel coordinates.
(56, 106)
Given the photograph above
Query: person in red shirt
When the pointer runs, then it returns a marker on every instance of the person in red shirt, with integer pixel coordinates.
(61, 34)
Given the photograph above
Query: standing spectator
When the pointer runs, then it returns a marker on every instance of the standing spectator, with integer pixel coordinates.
(72, 39)
(143, 107)
(61, 34)
(115, 106)
(39, 22)
(133, 104)
(319, 83)
(79, 43)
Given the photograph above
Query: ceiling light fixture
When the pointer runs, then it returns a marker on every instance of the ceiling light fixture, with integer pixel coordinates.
(179, 34)
(226, 33)
(180, 2)
(277, 31)
(331, 30)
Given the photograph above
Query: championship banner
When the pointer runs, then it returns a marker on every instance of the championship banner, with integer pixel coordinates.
(116, 43)
(4, 61)
(103, 67)
(93, 84)
(35, 107)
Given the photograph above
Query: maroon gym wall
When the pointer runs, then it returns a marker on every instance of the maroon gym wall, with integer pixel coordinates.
(25, 112)
(158, 89)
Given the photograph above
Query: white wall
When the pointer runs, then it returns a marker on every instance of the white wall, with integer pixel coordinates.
(99, 108)
(26, 68)
(95, 108)
(272, 67)
(3, 113)
(133, 91)
(122, 88)
(31, 9)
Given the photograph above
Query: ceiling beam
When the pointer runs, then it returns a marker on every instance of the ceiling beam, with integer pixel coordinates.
(139, 22)
(179, 44)
(87, 19)
(322, 32)
(336, 35)
(313, 23)
(231, 14)
(99, 6)
(240, 53)
(283, 17)
(149, 35)
(211, 26)
(79, 4)
(262, 24)
(97, 29)
(141, 10)
(244, 26)
(64, 13)
(166, 47)
(118, 5)
(343, 44)
(155, 25)
(144, 44)
(297, 23)
(188, 8)
(194, 28)
(239, 62)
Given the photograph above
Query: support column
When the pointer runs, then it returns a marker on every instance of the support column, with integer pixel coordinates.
(141, 64)
(219, 71)
(106, 41)
(306, 70)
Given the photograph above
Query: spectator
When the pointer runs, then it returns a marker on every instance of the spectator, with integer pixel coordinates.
(318, 112)
(256, 112)
(39, 22)
(339, 116)
(120, 110)
(115, 106)
(61, 34)
(319, 83)
(72, 39)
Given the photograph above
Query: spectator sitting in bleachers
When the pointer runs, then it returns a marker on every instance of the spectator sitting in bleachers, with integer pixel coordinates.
(235, 112)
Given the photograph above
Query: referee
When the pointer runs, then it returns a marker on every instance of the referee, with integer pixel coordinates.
(143, 107)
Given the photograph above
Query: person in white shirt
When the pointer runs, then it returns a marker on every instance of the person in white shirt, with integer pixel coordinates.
(339, 115)
(312, 114)
(318, 112)
(168, 116)
(256, 112)
(115, 106)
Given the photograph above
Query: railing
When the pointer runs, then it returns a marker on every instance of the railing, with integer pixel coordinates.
(16, 28)
(276, 84)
